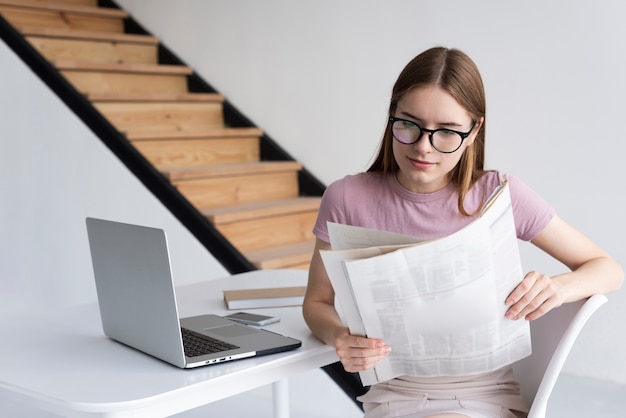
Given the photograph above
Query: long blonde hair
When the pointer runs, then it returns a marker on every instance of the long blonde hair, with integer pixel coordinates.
(456, 73)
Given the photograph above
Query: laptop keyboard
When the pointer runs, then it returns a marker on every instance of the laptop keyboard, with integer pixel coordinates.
(198, 345)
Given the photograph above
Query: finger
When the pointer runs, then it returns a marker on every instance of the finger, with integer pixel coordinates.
(351, 352)
(360, 353)
(348, 340)
(540, 298)
(355, 360)
(543, 309)
(547, 300)
(522, 288)
(525, 304)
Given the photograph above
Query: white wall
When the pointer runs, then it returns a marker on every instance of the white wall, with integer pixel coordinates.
(316, 75)
(53, 173)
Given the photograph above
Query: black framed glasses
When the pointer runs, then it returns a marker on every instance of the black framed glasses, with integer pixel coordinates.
(443, 140)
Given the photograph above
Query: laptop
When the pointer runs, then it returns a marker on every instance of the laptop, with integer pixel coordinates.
(138, 308)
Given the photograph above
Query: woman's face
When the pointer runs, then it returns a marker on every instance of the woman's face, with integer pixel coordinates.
(423, 169)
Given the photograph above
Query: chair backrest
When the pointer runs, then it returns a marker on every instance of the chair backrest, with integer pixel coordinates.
(553, 336)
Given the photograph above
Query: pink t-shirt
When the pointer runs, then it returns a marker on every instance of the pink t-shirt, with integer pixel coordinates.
(380, 202)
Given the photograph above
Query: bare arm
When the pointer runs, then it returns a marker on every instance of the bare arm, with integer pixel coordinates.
(355, 353)
(593, 271)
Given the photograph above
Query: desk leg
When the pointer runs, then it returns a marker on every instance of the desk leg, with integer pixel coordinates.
(280, 390)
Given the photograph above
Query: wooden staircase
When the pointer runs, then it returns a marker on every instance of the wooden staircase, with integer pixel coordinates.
(256, 204)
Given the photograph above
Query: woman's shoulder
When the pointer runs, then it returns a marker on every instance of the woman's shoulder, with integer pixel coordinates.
(491, 179)
(518, 189)
(347, 199)
(532, 213)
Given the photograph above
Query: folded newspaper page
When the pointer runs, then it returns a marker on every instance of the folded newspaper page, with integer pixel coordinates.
(438, 303)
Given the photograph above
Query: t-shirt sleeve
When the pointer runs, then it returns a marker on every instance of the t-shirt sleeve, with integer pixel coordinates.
(531, 212)
(331, 209)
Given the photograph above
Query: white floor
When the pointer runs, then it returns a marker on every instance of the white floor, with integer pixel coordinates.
(314, 395)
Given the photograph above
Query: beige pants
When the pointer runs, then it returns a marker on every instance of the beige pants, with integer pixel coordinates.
(489, 395)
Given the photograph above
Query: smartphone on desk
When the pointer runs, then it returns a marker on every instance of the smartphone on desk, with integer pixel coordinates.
(252, 319)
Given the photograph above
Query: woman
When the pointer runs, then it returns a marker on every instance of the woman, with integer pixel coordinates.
(428, 181)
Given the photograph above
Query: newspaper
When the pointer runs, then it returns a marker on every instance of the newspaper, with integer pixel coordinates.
(438, 303)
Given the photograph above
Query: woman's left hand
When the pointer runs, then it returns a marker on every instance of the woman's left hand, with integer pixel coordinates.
(535, 296)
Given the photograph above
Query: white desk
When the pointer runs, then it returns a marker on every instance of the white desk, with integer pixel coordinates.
(63, 363)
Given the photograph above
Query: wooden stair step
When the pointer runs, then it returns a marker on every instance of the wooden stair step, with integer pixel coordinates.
(94, 51)
(87, 35)
(157, 69)
(194, 134)
(164, 154)
(223, 170)
(230, 186)
(155, 97)
(283, 256)
(163, 116)
(236, 213)
(256, 234)
(76, 9)
(20, 16)
(129, 78)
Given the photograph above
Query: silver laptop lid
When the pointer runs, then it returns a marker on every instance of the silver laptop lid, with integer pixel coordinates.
(133, 310)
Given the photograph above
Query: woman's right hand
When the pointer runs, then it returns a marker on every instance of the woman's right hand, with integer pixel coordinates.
(355, 353)
(359, 353)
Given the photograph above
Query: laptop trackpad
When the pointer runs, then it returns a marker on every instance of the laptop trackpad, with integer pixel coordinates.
(231, 331)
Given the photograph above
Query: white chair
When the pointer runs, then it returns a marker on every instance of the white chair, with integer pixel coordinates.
(553, 336)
